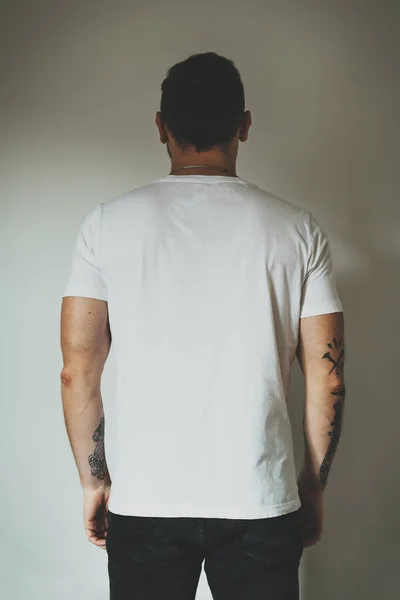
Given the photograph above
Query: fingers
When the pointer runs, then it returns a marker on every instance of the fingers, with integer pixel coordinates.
(311, 524)
(95, 517)
(307, 543)
(97, 538)
(311, 539)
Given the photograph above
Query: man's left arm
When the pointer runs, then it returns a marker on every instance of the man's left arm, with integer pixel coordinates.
(85, 344)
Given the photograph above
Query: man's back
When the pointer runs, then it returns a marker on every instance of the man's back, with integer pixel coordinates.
(206, 279)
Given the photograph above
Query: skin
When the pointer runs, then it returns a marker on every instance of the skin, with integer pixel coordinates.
(325, 392)
(214, 158)
(85, 344)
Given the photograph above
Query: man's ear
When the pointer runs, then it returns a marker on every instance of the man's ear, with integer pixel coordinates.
(161, 129)
(244, 130)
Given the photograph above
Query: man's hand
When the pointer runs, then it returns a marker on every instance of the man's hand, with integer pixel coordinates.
(95, 515)
(312, 511)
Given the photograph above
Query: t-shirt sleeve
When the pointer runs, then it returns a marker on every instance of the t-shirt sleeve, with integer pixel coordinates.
(319, 293)
(85, 278)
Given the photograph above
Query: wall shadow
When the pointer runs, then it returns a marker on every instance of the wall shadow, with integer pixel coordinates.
(358, 554)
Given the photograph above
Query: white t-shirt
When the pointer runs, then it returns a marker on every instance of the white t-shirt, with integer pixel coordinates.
(206, 279)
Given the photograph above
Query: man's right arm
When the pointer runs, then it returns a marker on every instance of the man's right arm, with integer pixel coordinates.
(320, 353)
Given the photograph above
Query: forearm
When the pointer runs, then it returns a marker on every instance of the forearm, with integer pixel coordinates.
(323, 417)
(84, 420)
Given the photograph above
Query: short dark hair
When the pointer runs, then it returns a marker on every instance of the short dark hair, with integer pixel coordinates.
(202, 101)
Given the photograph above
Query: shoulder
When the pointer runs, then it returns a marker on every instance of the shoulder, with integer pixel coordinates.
(122, 206)
(282, 212)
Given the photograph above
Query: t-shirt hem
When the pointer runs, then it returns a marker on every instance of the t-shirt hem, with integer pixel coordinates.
(321, 309)
(226, 512)
(84, 292)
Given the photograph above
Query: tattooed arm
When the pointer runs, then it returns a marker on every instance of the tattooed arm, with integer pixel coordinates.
(85, 343)
(321, 357)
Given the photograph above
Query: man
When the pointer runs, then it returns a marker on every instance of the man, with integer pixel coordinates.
(208, 287)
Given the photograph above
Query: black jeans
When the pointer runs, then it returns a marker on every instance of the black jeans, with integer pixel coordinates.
(160, 558)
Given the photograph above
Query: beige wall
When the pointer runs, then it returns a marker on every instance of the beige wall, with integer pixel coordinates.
(80, 88)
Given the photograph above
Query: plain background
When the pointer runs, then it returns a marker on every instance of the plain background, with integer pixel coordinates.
(80, 88)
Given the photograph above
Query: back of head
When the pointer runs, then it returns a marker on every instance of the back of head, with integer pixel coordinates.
(202, 102)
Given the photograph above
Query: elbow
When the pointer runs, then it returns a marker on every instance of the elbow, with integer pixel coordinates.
(78, 376)
(66, 378)
(72, 375)
(337, 387)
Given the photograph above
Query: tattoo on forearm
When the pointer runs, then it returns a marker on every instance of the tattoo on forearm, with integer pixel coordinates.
(97, 459)
(334, 435)
(335, 356)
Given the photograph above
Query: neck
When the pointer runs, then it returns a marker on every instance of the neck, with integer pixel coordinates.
(219, 161)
